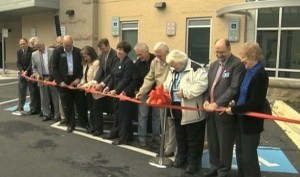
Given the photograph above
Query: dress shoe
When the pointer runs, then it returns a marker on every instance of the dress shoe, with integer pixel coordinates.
(191, 169)
(89, 129)
(46, 118)
(70, 129)
(62, 122)
(97, 133)
(119, 142)
(179, 163)
(56, 119)
(110, 136)
(32, 112)
(143, 143)
(211, 173)
(168, 154)
(41, 114)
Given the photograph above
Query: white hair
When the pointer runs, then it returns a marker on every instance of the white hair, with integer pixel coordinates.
(161, 45)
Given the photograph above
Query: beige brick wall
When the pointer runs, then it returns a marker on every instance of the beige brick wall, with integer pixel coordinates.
(152, 21)
(83, 26)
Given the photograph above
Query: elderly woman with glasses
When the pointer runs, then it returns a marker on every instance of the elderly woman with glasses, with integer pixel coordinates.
(251, 97)
(186, 83)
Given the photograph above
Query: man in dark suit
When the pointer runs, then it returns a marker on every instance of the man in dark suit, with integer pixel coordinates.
(107, 58)
(24, 67)
(224, 78)
(67, 70)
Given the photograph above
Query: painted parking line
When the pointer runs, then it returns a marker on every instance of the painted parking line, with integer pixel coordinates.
(13, 108)
(271, 159)
(291, 130)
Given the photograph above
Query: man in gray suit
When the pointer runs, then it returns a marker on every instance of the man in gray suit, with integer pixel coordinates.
(224, 78)
(42, 70)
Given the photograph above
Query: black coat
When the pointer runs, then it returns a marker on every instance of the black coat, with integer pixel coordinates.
(24, 61)
(121, 76)
(105, 69)
(255, 102)
(60, 66)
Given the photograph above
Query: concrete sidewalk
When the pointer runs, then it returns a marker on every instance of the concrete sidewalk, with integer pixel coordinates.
(8, 74)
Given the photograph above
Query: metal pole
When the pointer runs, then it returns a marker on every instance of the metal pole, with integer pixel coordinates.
(3, 55)
(161, 161)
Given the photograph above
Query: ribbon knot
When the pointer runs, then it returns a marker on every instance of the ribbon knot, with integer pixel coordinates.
(159, 96)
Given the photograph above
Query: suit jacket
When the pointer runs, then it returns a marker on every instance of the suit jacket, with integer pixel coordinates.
(37, 67)
(121, 76)
(229, 82)
(255, 101)
(60, 65)
(24, 61)
(105, 69)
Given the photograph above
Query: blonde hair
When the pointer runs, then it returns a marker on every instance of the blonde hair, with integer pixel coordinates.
(252, 50)
(176, 56)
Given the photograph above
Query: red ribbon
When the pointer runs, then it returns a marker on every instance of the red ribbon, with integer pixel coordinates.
(161, 99)
(159, 96)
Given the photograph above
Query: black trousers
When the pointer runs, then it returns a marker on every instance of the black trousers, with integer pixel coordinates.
(70, 98)
(82, 108)
(246, 152)
(123, 114)
(190, 139)
(96, 112)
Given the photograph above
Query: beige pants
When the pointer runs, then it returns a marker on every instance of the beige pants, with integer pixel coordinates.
(170, 138)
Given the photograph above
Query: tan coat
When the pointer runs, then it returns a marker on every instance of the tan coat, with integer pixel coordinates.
(156, 75)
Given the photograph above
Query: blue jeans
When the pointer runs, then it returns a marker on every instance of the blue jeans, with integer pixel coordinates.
(143, 119)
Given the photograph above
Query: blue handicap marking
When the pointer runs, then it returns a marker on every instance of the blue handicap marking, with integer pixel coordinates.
(13, 108)
(271, 159)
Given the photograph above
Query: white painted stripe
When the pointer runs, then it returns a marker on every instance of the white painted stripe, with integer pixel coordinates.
(10, 101)
(9, 83)
(291, 130)
(142, 151)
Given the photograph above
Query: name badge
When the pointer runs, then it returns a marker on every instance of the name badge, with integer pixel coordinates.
(225, 74)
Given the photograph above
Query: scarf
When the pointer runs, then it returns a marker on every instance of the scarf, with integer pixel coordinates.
(246, 82)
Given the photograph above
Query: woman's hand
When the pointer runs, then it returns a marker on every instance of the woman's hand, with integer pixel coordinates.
(228, 111)
(112, 92)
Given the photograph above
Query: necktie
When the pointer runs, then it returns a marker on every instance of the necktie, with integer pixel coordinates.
(105, 61)
(217, 77)
(24, 55)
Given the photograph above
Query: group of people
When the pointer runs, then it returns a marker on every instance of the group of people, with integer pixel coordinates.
(230, 83)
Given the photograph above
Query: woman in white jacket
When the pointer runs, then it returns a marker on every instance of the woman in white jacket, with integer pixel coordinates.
(186, 82)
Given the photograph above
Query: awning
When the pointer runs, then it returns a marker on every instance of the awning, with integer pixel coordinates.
(242, 8)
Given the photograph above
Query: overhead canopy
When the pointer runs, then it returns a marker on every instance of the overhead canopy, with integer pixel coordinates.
(11, 10)
(242, 8)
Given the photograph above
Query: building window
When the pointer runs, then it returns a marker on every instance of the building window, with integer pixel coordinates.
(278, 33)
(198, 39)
(129, 32)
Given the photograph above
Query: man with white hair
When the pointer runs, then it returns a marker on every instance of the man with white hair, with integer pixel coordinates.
(41, 68)
(158, 72)
(142, 67)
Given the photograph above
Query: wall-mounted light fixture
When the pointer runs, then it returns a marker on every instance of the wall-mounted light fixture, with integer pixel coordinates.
(70, 12)
(160, 5)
